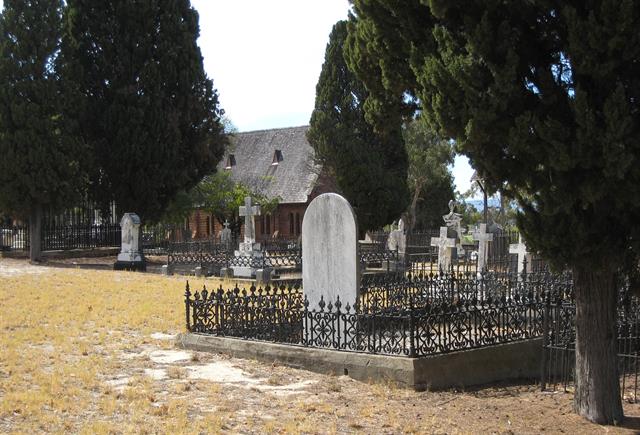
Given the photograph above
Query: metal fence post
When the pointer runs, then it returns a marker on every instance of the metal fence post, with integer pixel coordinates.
(187, 303)
(545, 340)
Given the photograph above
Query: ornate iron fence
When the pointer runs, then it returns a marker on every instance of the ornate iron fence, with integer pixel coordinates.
(279, 254)
(409, 319)
(558, 364)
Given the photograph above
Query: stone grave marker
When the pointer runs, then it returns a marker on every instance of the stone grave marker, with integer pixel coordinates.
(330, 266)
(483, 239)
(130, 256)
(398, 239)
(444, 244)
(249, 249)
(225, 234)
(521, 250)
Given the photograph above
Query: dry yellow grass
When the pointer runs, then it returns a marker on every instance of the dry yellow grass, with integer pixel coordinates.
(62, 335)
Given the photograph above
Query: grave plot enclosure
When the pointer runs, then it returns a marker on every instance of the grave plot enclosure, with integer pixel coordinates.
(392, 316)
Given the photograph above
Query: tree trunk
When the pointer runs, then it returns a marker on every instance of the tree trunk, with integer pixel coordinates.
(35, 234)
(412, 208)
(597, 396)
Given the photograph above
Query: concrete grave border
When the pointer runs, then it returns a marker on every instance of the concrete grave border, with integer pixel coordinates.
(503, 362)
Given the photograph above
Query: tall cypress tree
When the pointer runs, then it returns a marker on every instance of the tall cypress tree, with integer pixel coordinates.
(370, 165)
(144, 103)
(41, 164)
(544, 99)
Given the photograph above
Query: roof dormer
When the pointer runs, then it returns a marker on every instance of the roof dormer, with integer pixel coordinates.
(231, 162)
(277, 157)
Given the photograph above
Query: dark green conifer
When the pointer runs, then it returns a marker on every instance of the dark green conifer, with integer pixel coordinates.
(544, 97)
(40, 164)
(370, 166)
(143, 101)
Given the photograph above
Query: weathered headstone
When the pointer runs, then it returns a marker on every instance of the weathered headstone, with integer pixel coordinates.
(225, 234)
(483, 239)
(330, 266)
(521, 250)
(130, 256)
(398, 239)
(444, 244)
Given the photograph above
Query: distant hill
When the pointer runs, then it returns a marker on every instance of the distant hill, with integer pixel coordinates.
(478, 204)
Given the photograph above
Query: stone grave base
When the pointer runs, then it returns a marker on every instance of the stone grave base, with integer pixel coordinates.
(504, 362)
(261, 275)
(134, 266)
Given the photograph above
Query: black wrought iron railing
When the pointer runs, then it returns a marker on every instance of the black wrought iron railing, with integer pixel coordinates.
(558, 364)
(412, 318)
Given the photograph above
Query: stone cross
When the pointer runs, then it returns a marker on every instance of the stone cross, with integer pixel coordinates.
(330, 264)
(249, 211)
(521, 249)
(444, 245)
(483, 239)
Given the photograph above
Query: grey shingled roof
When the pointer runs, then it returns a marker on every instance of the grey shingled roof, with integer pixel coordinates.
(292, 179)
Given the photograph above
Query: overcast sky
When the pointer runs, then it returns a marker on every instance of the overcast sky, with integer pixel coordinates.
(265, 58)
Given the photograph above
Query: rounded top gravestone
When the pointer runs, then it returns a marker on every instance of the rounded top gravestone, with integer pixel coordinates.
(330, 266)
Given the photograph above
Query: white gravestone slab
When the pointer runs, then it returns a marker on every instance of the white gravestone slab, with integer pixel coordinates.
(330, 266)
(483, 239)
(444, 245)
(521, 249)
(130, 230)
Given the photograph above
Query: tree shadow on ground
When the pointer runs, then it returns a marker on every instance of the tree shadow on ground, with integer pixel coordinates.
(632, 423)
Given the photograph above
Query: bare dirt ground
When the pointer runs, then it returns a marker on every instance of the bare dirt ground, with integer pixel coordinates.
(86, 351)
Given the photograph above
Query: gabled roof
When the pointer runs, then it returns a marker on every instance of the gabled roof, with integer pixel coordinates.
(289, 174)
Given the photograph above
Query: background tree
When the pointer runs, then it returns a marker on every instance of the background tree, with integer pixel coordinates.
(429, 178)
(41, 164)
(219, 195)
(543, 97)
(370, 166)
(145, 104)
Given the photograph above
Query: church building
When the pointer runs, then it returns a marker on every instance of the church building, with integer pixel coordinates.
(277, 163)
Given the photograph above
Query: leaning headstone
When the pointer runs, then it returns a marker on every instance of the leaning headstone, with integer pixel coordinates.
(330, 266)
(444, 244)
(521, 250)
(483, 239)
(130, 256)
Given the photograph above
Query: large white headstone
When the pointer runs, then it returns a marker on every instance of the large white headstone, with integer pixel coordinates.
(330, 266)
